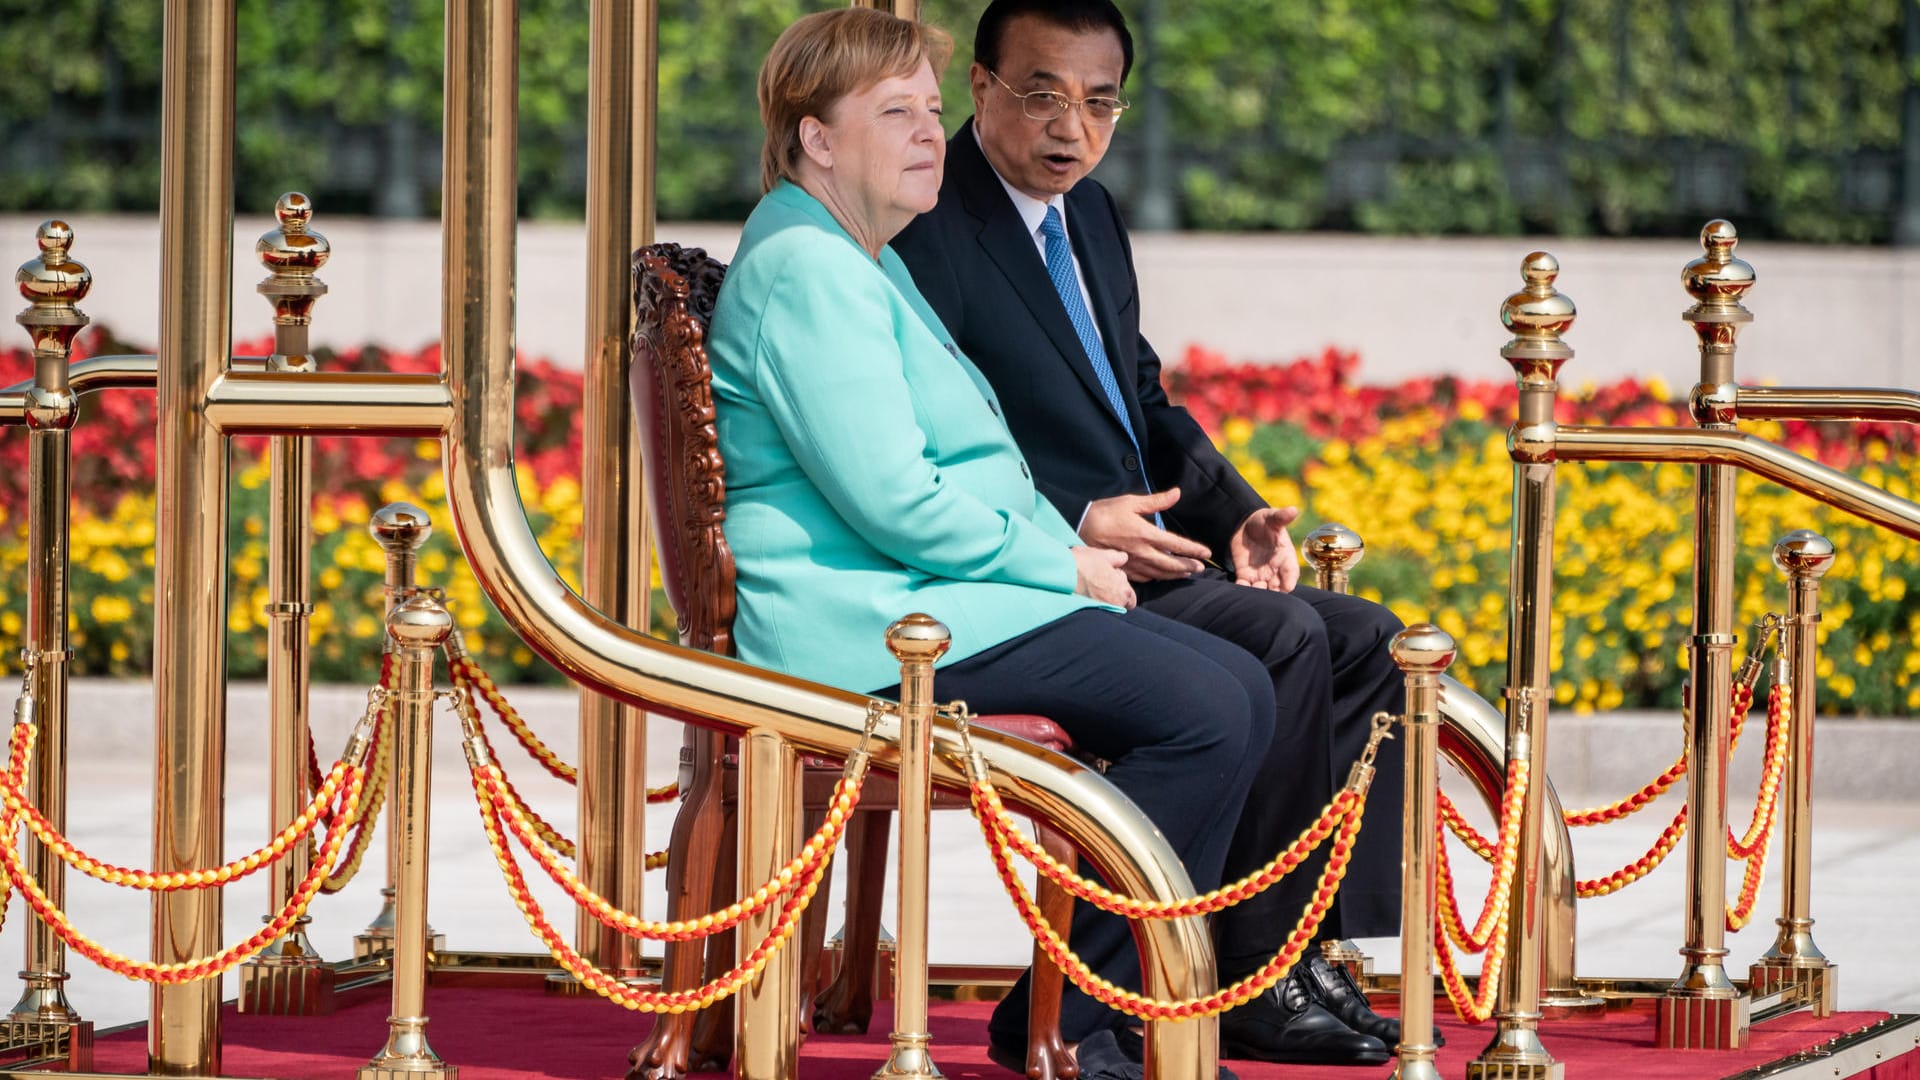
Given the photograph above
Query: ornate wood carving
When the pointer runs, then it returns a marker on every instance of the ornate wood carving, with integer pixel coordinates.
(674, 289)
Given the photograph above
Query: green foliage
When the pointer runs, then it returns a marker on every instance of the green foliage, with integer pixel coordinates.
(1420, 116)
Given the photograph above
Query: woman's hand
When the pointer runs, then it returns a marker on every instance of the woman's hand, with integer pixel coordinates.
(1101, 577)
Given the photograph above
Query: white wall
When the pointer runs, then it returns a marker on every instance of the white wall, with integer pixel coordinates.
(1825, 315)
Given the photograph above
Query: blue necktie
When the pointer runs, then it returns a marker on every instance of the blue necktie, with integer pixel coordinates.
(1067, 284)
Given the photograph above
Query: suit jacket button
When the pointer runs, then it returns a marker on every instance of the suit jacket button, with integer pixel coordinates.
(1130, 463)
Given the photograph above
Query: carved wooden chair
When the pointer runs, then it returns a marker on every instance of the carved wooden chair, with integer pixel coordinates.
(674, 291)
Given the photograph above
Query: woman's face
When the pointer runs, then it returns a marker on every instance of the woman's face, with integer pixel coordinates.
(884, 149)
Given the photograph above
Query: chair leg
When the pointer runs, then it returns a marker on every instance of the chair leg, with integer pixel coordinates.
(712, 1042)
(813, 935)
(690, 892)
(1047, 1057)
(846, 1006)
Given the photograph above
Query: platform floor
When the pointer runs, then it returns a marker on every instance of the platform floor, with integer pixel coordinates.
(1867, 858)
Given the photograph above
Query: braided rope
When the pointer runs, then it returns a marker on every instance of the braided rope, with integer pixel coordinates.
(1139, 1005)
(200, 967)
(1005, 827)
(1493, 909)
(374, 797)
(815, 852)
(591, 976)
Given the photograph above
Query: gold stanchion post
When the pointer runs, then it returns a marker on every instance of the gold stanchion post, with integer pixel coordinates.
(1703, 1009)
(1333, 550)
(767, 1023)
(289, 978)
(418, 626)
(1537, 315)
(1794, 960)
(917, 641)
(615, 542)
(401, 530)
(42, 1022)
(1423, 652)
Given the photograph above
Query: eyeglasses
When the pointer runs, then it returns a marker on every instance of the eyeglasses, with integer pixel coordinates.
(1048, 105)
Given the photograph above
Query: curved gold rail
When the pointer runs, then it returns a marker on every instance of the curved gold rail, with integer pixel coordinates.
(479, 217)
(1827, 403)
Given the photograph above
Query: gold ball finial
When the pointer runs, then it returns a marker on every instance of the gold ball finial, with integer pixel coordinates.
(419, 622)
(1333, 547)
(918, 637)
(53, 282)
(400, 527)
(1804, 553)
(293, 252)
(294, 210)
(1717, 280)
(1538, 314)
(1422, 649)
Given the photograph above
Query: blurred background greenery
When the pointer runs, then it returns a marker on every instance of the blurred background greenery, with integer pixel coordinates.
(1608, 117)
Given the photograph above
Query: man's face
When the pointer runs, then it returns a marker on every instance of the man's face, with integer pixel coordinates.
(1044, 158)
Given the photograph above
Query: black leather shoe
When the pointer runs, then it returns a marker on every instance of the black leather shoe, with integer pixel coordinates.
(1332, 985)
(1286, 1025)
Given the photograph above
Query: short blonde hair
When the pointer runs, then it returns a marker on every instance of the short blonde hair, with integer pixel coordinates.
(822, 58)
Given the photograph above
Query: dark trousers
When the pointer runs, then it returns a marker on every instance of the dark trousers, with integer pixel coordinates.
(1326, 655)
(1184, 717)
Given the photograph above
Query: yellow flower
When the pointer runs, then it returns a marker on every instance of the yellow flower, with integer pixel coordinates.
(110, 609)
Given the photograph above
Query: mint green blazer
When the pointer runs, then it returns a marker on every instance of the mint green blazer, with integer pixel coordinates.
(869, 474)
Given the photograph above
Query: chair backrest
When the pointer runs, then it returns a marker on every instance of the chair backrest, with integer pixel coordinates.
(674, 289)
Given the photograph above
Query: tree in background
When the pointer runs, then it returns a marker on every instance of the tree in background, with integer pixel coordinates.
(1609, 117)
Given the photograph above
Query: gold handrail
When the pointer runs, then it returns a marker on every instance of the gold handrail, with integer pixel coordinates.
(478, 257)
(1770, 461)
(1827, 403)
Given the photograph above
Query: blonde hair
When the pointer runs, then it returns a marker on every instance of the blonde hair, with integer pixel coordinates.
(822, 58)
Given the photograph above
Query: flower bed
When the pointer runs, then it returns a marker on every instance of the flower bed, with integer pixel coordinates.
(1418, 468)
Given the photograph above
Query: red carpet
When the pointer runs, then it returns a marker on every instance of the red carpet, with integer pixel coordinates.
(499, 1034)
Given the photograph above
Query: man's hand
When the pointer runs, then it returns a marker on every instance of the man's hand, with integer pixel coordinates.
(1100, 576)
(1125, 523)
(1262, 552)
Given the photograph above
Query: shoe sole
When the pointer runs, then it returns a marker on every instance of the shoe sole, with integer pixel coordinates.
(1241, 1052)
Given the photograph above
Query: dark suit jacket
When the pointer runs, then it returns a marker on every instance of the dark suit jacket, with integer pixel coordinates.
(975, 262)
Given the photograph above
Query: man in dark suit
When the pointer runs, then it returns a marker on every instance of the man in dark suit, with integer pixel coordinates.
(1027, 262)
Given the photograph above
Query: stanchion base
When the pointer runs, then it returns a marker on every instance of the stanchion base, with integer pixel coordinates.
(1703, 1023)
(407, 1055)
(1816, 984)
(1413, 1067)
(66, 1040)
(909, 1060)
(287, 988)
(1516, 1054)
(378, 946)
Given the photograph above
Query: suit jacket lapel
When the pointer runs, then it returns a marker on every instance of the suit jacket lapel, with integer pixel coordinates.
(1004, 238)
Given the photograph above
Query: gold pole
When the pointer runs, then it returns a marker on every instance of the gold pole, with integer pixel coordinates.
(1538, 315)
(289, 977)
(617, 556)
(419, 626)
(917, 641)
(401, 530)
(767, 1029)
(1333, 550)
(1794, 960)
(52, 283)
(1703, 1009)
(905, 9)
(1423, 653)
(190, 551)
